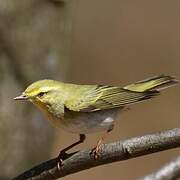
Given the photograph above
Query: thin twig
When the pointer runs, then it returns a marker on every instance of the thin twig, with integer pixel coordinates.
(170, 171)
(117, 151)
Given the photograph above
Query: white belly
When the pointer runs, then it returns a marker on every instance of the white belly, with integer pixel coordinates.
(83, 123)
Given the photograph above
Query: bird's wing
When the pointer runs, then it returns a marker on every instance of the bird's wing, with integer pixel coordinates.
(105, 97)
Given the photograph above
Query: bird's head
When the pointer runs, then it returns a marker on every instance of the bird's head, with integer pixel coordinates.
(42, 93)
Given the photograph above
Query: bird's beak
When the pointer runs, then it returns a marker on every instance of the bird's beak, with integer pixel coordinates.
(21, 97)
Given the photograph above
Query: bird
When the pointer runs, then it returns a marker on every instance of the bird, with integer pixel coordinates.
(85, 109)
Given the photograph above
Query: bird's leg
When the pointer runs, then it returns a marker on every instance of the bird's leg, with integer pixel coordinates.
(63, 155)
(96, 151)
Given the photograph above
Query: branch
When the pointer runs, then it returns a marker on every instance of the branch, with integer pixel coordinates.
(117, 151)
(167, 172)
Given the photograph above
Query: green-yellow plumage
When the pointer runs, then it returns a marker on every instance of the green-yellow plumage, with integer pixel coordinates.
(89, 108)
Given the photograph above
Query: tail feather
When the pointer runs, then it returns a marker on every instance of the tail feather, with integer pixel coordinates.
(108, 97)
(156, 83)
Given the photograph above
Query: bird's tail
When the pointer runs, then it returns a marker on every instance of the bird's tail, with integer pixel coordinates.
(156, 83)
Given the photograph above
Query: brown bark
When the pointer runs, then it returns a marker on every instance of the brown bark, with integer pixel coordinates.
(117, 151)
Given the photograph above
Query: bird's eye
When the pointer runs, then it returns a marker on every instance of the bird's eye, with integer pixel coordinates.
(41, 94)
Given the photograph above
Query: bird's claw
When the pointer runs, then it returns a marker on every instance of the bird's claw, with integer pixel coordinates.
(61, 157)
(59, 164)
(95, 152)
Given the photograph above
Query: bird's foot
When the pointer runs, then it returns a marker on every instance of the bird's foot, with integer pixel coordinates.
(95, 152)
(61, 157)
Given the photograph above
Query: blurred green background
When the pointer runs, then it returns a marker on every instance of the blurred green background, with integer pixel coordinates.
(86, 42)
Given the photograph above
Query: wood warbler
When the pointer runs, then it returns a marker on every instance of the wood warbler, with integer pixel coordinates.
(84, 109)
